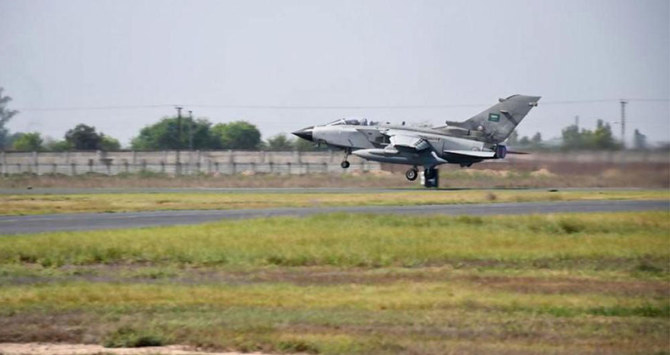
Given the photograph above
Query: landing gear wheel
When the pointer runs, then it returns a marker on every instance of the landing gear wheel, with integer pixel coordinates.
(411, 174)
(429, 173)
(345, 164)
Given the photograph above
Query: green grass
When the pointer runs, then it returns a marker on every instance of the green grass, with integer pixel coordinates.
(19, 204)
(394, 296)
(343, 284)
(346, 240)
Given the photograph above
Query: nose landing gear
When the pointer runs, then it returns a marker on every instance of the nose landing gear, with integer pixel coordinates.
(345, 163)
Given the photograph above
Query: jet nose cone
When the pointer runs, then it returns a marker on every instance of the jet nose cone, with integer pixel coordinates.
(305, 133)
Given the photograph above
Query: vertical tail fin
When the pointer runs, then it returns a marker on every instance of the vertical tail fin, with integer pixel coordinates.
(498, 121)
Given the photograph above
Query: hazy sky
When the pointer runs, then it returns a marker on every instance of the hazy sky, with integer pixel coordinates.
(204, 54)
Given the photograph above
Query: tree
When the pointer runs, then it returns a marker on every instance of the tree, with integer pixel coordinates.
(28, 142)
(280, 142)
(513, 138)
(602, 137)
(537, 139)
(307, 146)
(11, 138)
(572, 139)
(599, 139)
(5, 115)
(165, 134)
(524, 141)
(57, 146)
(109, 144)
(83, 137)
(639, 140)
(238, 135)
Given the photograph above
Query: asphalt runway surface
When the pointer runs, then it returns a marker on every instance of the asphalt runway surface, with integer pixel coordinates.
(92, 221)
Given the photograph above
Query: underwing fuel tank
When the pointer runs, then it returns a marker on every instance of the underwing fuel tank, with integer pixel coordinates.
(397, 157)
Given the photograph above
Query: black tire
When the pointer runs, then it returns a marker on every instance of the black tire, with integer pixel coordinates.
(411, 174)
(429, 173)
(345, 164)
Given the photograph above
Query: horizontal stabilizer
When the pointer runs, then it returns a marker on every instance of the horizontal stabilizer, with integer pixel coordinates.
(472, 153)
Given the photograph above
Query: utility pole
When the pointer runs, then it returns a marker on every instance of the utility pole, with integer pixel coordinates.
(179, 108)
(623, 122)
(577, 122)
(190, 130)
(178, 163)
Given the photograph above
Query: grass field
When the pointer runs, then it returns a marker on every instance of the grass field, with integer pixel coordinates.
(19, 204)
(341, 284)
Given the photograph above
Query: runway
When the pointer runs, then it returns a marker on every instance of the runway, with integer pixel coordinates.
(92, 221)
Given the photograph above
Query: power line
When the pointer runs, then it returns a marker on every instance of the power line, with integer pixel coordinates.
(343, 107)
(316, 107)
(262, 107)
(94, 108)
(569, 102)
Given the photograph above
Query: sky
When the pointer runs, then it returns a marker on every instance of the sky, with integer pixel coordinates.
(120, 65)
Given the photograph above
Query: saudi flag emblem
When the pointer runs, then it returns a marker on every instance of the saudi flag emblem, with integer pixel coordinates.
(494, 117)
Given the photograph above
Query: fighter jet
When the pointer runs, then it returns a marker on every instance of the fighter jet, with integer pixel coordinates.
(464, 143)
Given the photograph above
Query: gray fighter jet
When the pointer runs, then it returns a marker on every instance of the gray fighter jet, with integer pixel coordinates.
(464, 143)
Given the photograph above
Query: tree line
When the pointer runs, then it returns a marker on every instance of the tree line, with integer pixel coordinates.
(186, 133)
(198, 134)
(171, 133)
(574, 138)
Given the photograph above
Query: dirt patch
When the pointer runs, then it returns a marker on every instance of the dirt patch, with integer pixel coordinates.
(86, 349)
(572, 285)
(553, 285)
(36, 328)
(487, 172)
(213, 181)
(333, 276)
(542, 173)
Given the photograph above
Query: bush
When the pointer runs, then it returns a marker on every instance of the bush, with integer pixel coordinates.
(127, 337)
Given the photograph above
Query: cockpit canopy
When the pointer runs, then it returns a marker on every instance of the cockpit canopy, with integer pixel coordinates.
(351, 122)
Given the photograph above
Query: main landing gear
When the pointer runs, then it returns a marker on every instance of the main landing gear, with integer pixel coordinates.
(345, 164)
(412, 174)
(431, 178)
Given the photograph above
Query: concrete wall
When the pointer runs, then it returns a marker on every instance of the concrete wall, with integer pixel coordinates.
(179, 163)
(252, 162)
(596, 157)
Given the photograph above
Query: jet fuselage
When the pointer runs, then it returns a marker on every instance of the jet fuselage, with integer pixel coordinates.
(464, 143)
